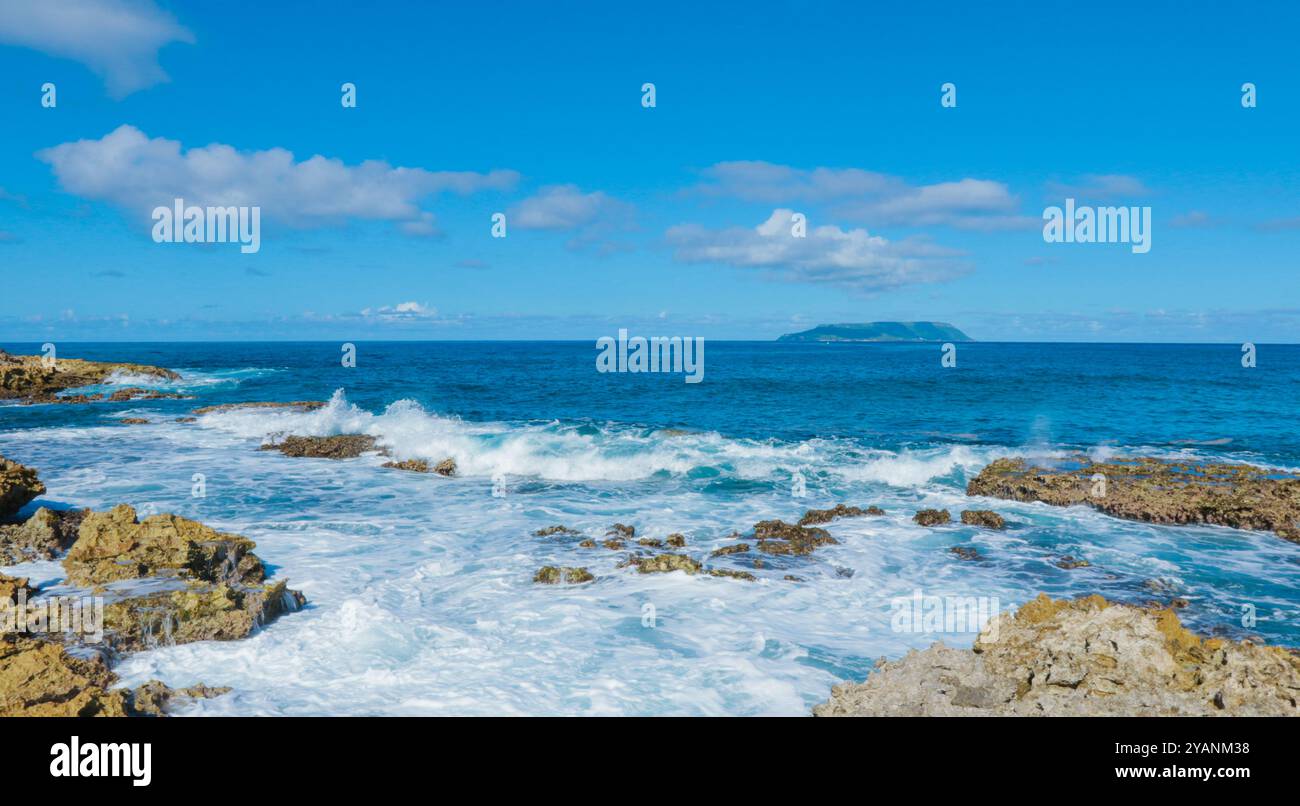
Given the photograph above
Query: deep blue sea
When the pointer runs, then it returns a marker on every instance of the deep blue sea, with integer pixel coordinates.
(420, 587)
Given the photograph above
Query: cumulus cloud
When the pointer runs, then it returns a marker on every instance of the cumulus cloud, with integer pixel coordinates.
(868, 197)
(401, 312)
(117, 39)
(853, 259)
(138, 173)
(594, 217)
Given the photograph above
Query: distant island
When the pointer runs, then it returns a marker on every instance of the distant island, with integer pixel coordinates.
(881, 331)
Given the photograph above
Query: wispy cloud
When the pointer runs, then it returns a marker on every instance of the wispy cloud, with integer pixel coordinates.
(138, 173)
(117, 39)
(853, 259)
(594, 217)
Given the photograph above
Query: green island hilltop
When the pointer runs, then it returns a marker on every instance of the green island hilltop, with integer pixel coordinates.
(881, 331)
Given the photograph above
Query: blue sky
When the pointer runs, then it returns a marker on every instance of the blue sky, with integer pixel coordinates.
(379, 223)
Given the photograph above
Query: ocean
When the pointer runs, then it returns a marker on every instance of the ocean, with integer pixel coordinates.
(420, 588)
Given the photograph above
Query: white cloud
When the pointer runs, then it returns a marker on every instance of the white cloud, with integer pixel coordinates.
(401, 312)
(966, 204)
(594, 217)
(1100, 187)
(755, 180)
(852, 259)
(117, 39)
(139, 173)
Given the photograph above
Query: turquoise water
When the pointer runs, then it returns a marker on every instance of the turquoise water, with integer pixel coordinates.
(420, 587)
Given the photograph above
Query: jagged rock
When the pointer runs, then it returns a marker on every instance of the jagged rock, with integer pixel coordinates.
(676, 540)
(1086, 657)
(739, 548)
(614, 544)
(45, 535)
(622, 530)
(447, 467)
(558, 529)
(666, 563)
(155, 699)
(341, 446)
(726, 572)
(779, 537)
(1155, 490)
(1068, 562)
(200, 612)
(14, 588)
(133, 421)
(983, 517)
(932, 517)
(816, 516)
(587, 544)
(113, 545)
(40, 678)
(19, 484)
(133, 393)
(552, 575)
(297, 405)
(26, 376)
(410, 465)
(187, 419)
(965, 552)
(650, 542)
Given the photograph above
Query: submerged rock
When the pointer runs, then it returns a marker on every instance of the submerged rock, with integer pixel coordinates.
(557, 529)
(1155, 490)
(932, 517)
(28, 377)
(45, 535)
(666, 563)
(200, 612)
(1069, 562)
(614, 544)
(133, 421)
(410, 465)
(816, 516)
(554, 575)
(650, 542)
(779, 537)
(341, 446)
(297, 405)
(1086, 657)
(19, 485)
(622, 530)
(739, 548)
(983, 517)
(113, 545)
(676, 540)
(133, 393)
(965, 552)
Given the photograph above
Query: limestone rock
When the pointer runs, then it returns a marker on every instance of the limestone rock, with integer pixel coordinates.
(983, 517)
(45, 535)
(932, 517)
(341, 446)
(553, 575)
(18, 486)
(816, 516)
(779, 537)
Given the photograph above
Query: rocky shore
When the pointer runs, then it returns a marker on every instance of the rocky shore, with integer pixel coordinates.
(33, 379)
(1086, 657)
(1154, 490)
(205, 585)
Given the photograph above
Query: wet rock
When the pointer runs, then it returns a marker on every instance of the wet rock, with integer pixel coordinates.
(622, 530)
(932, 517)
(676, 540)
(667, 563)
(1080, 658)
(40, 678)
(132, 393)
(27, 376)
(792, 578)
(294, 405)
(816, 516)
(1155, 491)
(199, 612)
(553, 575)
(14, 588)
(447, 467)
(133, 421)
(410, 465)
(650, 542)
(587, 544)
(45, 535)
(779, 537)
(187, 419)
(156, 699)
(341, 446)
(114, 545)
(1069, 562)
(614, 544)
(553, 531)
(986, 518)
(739, 548)
(18, 486)
(725, 572)
(965, 552)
